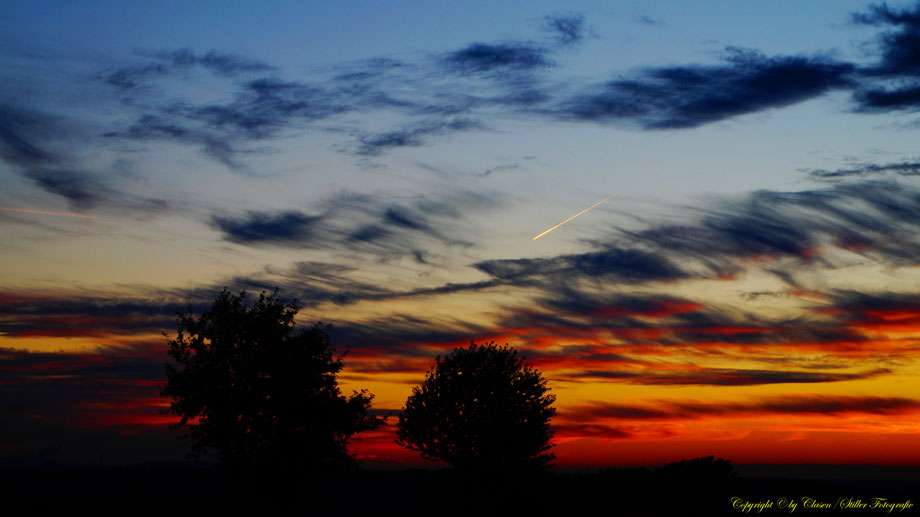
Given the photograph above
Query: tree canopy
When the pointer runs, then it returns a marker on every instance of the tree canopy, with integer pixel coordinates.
(259, 395)
(481, 409)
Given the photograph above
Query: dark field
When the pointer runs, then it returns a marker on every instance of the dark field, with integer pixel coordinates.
(677, 489)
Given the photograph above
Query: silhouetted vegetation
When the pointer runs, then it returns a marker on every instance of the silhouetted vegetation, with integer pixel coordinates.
(259, 395)
(705, 470)
(482, 410)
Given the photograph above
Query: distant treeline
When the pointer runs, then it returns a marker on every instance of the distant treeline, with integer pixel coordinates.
(702, 486)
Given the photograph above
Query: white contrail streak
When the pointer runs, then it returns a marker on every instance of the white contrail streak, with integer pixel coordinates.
(576, 215)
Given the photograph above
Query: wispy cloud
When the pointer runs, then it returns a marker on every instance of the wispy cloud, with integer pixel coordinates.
(20, 132)
(900, 48)
(46, 212)
(892, 81)
(86, 316)
(282, 228)
(502, 168)
(648, 20)
(503, 57)
(833, 405)
(725, 377)
(368, 224)
(415, 135)
(567, 28)
(36, 145)
(467, 88)
(862, 170)
(693, 95)
(615, 264)
(164, 63)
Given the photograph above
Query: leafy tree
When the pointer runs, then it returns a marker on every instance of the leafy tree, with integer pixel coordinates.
(262, 397)
(481, 409)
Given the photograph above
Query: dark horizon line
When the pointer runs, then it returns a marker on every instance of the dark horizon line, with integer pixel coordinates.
(382, 466)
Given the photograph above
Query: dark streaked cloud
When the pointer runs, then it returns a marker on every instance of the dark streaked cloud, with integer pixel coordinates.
(129, 77)
(911, 168)
(592, 431)
(85, 190)
(152, 127)
(884, 99)
(414, 135)
(882, 14)
(405, 335)
(600, 307)
(789, 333)
(20, 132)
(900, 48)
(575, 356)
(259, 109)
(624, 265)
(778, 232)
(648, 20)
(856, 302)
(266, 105)
(140, 364)
(567, 29)
(166, 62)
(374, 225)
(401, 217)
(899, 60)
(311, 283)
(457, 90)
(221, 62)
(726, 377)
(672, 325)
(729, 234)
(873, 312)
(834, 405)
(80, 189)
(86, 316)
(448, 288)
(772, 225)
(368, 233)
(37, 146)
(283, 228)
(503, 57)
(691, 96)
(502, 168)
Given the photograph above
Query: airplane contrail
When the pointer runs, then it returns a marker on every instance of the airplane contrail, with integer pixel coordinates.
(576, 215)
(46, 212)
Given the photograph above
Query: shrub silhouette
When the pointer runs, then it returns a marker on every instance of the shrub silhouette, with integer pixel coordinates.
(482, 410)
(708, 469)
(260, 396)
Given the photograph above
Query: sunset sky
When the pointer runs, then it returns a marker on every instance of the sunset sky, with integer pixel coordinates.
(752, 290)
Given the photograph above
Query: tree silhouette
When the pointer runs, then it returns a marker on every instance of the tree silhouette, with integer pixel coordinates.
(260, 396)
(482, 410)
